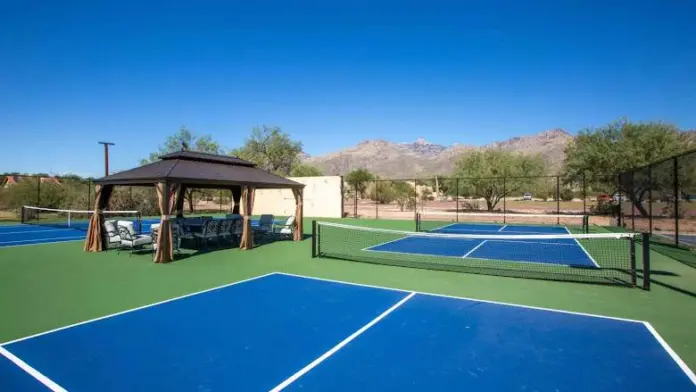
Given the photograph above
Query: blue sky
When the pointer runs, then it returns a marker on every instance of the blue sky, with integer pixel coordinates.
(132, 72)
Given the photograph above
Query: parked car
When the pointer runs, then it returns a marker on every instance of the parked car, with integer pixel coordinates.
(604, 198)
(527, 196)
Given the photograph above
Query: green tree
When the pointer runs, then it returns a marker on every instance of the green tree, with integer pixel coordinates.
(305, 170)
(358, 179)
(481, 174)
(184, 139)
(270, 149)
(598, 155)
(404, 195)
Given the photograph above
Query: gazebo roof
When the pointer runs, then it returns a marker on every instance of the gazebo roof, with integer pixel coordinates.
(199, 170)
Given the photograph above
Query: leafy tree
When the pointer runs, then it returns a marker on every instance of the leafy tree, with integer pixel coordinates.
(270, 149)
(304, 170)
(184, 139)
(480, 174)
(404, 195)
(358, 179)
(602, 153)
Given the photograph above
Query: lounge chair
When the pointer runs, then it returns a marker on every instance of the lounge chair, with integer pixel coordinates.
(113, 240)
(132, 241)
(286, 229)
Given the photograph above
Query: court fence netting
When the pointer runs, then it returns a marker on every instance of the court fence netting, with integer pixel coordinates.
(74, 219)
(428, 221)
(612, 255)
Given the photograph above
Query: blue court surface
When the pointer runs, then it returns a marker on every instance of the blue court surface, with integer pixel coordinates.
(545, 251)
(286, 332)
(21, 234)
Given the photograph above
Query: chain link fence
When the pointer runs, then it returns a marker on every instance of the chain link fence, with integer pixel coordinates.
(597, 196)
(660, 199)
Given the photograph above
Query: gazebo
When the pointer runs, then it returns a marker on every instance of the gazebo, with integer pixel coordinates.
(176, 172)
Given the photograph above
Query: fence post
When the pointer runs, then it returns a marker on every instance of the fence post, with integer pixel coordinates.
(415, 198)
(558, 200)
(89, 194)
(633, 206)
(646, 261)
(355, 200)
(584, 194)
(650, 200)
(38, 191)
(676, 202)
(618, 212)
(376, 199)
(633, 261)
(456, 198)
(504, 201)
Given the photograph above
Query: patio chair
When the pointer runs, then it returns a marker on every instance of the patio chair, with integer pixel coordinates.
(286, 229)
(225, 230)
(113, 240)
(210, 231)
(176, 238)
(132, 242)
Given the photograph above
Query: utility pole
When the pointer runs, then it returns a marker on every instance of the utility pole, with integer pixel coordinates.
(106, 156)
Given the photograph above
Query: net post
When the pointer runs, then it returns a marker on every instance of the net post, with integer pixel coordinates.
(646, 261)
(633, 262)
(69, 219)
(23, 215)
(314, 238)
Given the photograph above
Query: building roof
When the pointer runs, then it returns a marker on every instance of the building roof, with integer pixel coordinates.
(199, 170)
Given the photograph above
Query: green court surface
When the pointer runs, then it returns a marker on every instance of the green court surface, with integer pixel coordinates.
(52, 285)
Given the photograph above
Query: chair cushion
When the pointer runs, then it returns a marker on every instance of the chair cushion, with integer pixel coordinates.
(110, 228)
(129, 226)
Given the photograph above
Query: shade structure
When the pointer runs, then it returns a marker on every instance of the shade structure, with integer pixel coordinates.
(176, 172)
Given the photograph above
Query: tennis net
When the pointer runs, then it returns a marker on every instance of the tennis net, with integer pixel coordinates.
(73, 219)
(591, 258)
(452, 222)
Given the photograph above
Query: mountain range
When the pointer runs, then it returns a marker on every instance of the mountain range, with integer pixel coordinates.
(421, 158)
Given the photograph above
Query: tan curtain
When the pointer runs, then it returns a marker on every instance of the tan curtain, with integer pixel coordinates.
(166, 198)
(298, 234)
(247, 241)
(93, 242)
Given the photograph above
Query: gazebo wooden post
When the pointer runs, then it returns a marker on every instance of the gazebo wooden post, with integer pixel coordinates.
(247, 241)
(298, 233)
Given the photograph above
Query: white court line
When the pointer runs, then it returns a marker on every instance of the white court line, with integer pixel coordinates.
(340, 345)
(42, 239)
(583, 249)
(502, 228)
(52, 385)
(40, 243)
(682, 365)
(369, 248)
(138, 308)
(33, 231)
(474, 248)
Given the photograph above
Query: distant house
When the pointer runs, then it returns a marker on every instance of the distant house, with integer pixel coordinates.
(9, 181)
